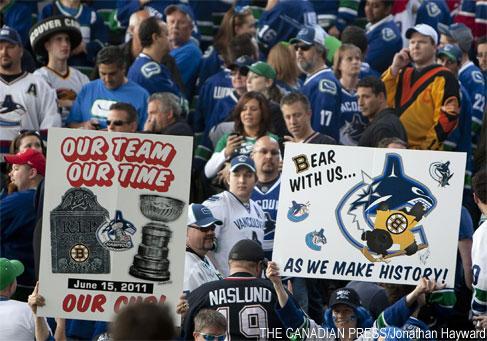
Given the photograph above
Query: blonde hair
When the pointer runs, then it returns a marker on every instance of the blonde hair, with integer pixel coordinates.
(283, 59)
(339, 54)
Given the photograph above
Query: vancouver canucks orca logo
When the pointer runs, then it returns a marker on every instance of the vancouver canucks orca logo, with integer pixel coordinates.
(298, 212)
(10, 112)
(116, 234)
(315, 239)
(440, 172)
(380, 215)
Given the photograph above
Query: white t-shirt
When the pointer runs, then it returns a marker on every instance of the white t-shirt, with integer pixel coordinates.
(198, 271)
(16, 321)
(239, 222)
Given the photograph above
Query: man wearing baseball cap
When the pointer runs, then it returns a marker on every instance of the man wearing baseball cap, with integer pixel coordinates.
(200, 238)
(241, 216)
(321, 86)
(469, 75)
(53, 39)
(247, 301)
(425, 95)
(17, 320)
(27, 101)
(18, 215)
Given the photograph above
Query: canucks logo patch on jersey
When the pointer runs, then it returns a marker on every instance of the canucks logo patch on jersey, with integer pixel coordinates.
(150, 69)
(433, 9)
(11, 113)
(388, 34)
(329, 86)
(477, 77)
(381, 216)
(298, 212)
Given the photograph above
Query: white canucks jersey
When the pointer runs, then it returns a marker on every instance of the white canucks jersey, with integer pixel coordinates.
(198, 271)
(240, 221)
(67, 87)
(27, 102)
(479, 270)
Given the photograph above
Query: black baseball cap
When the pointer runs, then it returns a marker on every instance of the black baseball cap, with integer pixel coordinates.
(248, 250)
(345, 296)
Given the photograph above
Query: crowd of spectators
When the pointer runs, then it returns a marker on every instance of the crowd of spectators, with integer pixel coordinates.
(244, 77)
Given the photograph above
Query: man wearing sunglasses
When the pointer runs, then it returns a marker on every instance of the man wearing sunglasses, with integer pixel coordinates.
(210, 325)
(200, 238)
(321, 86)
(122, 118)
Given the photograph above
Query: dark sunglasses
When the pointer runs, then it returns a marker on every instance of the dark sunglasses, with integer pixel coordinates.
(302, 47)
(211, 337)
(117, 123)
(204, 229)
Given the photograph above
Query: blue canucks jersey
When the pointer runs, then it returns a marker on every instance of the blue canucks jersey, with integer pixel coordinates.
(223, 109)
(432, 12)
(125, 8)
(213, 90)
(472, 79)
(94, 101)
(385, 41)
(151, 75)
(324, 93)
(268, 199)
(336, 12)
(211, 63)
(367, 71)
(353, 121)
(459, 139)
(283, 22)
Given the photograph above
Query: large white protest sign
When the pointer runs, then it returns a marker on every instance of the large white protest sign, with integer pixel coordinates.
(114, 221)
(384, 215)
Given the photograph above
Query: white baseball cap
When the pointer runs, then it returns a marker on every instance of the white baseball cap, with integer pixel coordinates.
(423, 29)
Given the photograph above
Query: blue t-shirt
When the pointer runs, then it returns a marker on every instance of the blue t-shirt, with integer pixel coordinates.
(325, 96)
(353, 121)
(94, 101)
(385, 41)
(188, 59)
(17, 221)
(151, 75)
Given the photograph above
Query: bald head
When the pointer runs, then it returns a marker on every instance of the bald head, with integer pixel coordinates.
(134, 24)
(267, 157)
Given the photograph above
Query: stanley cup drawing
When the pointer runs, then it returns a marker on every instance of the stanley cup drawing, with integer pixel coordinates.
(151, 261)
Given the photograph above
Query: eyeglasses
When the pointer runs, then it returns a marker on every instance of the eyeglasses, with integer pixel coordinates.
(211, 337)
(302, 47)
(204, 228)
(117, 123)
(274, 152)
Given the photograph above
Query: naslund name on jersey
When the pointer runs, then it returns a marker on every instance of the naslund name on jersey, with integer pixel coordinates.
(239, 295)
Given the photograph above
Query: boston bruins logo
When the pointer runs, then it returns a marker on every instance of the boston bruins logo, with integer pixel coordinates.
(397, 223)
(79, 253)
